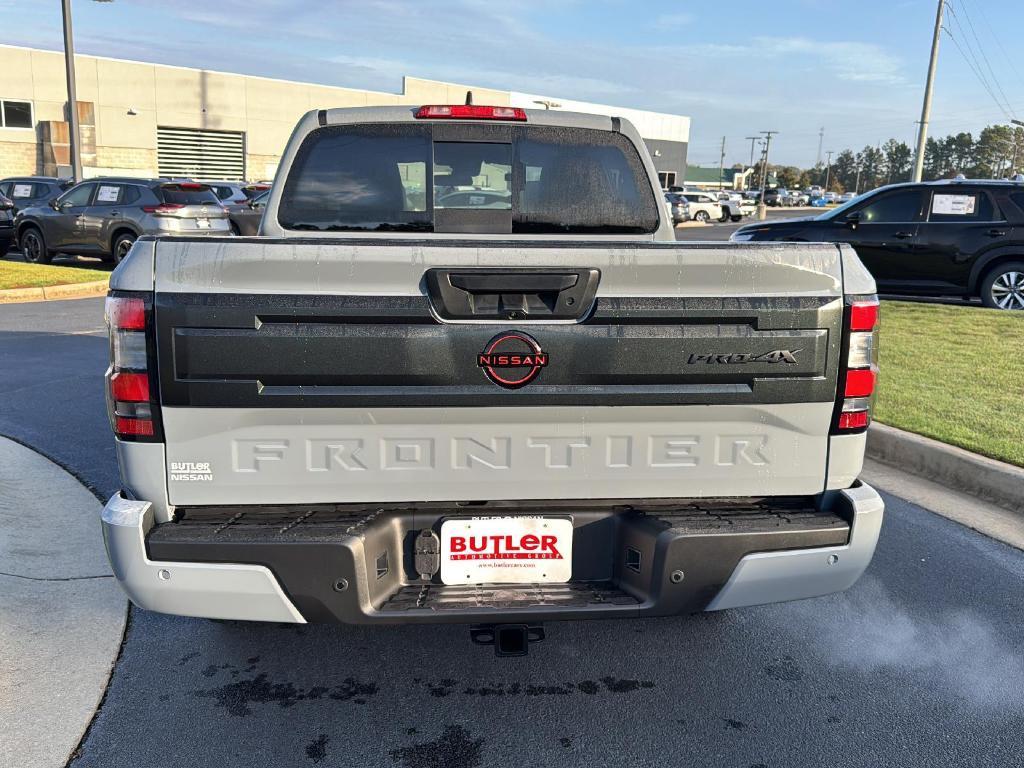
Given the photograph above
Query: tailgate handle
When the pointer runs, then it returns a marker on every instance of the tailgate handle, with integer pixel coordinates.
(512, 294)
(513, 282)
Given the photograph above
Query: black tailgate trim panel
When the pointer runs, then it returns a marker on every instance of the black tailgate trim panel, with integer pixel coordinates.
(245, 350)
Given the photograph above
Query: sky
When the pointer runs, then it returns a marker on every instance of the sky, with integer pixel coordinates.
(856, 68)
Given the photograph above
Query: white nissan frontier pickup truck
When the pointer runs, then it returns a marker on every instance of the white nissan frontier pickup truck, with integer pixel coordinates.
(466, 374)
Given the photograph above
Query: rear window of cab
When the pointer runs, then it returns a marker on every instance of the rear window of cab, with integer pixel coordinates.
(529, 179)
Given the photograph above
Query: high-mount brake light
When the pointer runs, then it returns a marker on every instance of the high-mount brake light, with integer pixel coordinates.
(859, 374)
(469, 112)
(131, 384)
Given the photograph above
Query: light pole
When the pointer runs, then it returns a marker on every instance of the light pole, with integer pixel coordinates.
(74, 137)
(74, 144)
(926, 107)
(828, 171)
(752, 140)
(762, 209)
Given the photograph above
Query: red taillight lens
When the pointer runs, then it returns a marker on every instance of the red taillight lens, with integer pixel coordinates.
(125, 313)
(163, 208)
(854, 419)
(131, 387)
(860, 374)
(136, 427)
(469, 112)
(860, 382)
(864, 315)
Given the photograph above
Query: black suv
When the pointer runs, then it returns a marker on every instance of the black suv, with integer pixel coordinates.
(940, 238)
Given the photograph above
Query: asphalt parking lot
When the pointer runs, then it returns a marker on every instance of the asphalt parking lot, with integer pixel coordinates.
(920, 664)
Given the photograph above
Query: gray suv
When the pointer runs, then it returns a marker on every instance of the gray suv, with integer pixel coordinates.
(104, 217)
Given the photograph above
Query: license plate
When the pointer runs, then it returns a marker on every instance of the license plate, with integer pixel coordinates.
(203, 223)
(506, 550)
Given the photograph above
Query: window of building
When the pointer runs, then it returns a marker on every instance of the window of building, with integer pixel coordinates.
(667, 179)
(15, 114)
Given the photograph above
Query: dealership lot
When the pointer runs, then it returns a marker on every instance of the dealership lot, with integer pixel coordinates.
(933, 627)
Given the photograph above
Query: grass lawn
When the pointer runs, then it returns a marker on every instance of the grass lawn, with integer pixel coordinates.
(955, 374)
(14, 274)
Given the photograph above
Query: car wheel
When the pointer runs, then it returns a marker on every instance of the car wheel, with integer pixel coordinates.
(1003, 287)
(33, 247)
(122, 244)
(702, 216)
(724, 217)
(235, 230)
(737, 218)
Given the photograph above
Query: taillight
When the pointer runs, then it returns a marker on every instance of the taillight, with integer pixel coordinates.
(163, 208)
(469, 112)
(859, 375)
(131, 380)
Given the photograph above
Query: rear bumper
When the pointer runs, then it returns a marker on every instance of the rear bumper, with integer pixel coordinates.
(354, 565)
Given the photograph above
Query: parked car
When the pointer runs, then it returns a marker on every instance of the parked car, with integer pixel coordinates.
(846, 197)
(235, 195)
(245, 219)
(299, 428)
(6, 224)
(704, 206)
(775, 196)
(104, 217)
(28, 191)
(799, 199)
(955, 238)
(678, 207)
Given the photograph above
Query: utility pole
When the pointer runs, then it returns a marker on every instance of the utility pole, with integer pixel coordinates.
(926, 107)
(821, 143)
(752, 140)
(762, 209)
(74, 141)
(856, 186)
(828, 171)
(721, 167)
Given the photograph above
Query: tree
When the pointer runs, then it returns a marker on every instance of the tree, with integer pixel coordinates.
(788, 176)
(897, 161)
(844, 169)
(871, 163)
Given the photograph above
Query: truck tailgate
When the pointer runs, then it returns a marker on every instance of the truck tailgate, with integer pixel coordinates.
(316, 371)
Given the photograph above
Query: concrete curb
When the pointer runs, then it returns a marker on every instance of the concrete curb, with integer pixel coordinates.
(952, 467)
(54, 292)
(62, 615)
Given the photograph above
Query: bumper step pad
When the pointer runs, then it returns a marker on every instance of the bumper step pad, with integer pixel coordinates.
(440, 597)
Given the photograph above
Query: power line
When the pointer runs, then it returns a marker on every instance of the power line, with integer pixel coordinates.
(999, 43)
(981, 50)
(972, 60)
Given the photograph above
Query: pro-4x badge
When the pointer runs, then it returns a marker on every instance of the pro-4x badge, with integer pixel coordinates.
(512, 359)
(734, 358)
